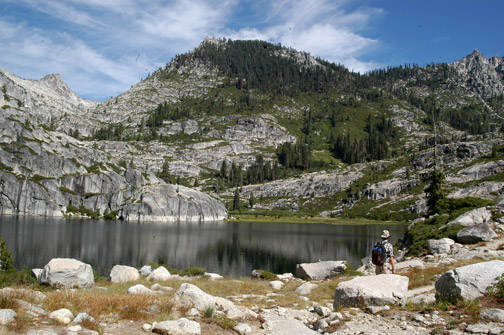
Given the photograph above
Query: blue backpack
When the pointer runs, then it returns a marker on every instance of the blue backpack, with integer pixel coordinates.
(378, 254)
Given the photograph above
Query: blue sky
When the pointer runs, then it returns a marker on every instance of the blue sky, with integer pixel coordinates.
(103, 47)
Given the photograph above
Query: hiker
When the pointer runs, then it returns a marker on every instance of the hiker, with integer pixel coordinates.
(383, 255)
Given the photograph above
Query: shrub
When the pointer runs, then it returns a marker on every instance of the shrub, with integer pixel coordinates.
(267, 275)
(422, 231)
(5, 257)
(497, 289)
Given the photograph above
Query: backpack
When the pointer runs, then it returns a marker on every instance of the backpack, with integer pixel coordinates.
(378, 254)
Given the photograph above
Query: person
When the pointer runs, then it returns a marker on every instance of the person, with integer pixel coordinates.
(389, 263)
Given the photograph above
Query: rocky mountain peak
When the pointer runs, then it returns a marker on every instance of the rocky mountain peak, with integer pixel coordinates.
(481, 74)
(55, 83)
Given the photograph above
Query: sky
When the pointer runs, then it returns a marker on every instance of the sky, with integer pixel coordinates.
(103, 47)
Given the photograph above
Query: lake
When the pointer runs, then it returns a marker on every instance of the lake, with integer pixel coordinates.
(228, 248)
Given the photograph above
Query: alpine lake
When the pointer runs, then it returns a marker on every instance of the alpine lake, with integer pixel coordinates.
(228, 248)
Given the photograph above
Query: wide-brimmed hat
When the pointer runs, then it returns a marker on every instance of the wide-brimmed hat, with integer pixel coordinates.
(385, 234)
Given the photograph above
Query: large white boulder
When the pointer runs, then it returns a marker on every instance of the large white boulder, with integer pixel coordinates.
(468, 282)
(471, 218)
(159, 274)
(306, 288)
(383, 289)
(67, 272)
(189, 295)
(441, 246)
(123, 274)
(177, 327)
(320, 270)
(476, 233)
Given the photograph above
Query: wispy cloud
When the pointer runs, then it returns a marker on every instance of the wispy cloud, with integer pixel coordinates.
(101, 48)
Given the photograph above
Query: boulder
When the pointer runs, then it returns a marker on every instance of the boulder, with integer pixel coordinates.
(36, 273)
(141, 290)
(383, 289)
(441, 246)
(67, 272)
(177, 327)
(468, 282)
(492, 314)
(476, 233)
(7, 316)
(320, 270)
(276, 284)
(189, 295)
(159, 274)
(146, 270)
(157, 287)
(306, 288)
(63, 316)
(123, 274)
(81, 317)
(471, 218)
(213, 276)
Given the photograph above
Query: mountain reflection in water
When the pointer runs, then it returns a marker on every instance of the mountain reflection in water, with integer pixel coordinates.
(228, 248)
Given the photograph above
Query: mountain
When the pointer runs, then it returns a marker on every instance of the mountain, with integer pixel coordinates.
(251, 124)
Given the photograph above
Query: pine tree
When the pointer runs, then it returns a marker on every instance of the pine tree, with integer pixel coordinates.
(434, 191)
(236, 200)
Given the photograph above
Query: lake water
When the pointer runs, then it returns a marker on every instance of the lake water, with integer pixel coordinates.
(228, 248)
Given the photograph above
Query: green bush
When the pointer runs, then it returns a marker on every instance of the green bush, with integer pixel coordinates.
(456, 207)
(5, 257)
(497, 289)
(17, 278)
(267, 275)
(422, 231)
(194, 271)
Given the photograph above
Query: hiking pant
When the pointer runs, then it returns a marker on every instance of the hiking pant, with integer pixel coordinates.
(385, 268)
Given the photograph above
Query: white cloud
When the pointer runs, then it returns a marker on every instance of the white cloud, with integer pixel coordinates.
(322, 28)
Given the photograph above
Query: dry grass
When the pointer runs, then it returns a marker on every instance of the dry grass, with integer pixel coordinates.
(109, 304)
(423, 277)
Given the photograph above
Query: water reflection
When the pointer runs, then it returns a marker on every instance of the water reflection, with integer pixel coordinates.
(232, 248)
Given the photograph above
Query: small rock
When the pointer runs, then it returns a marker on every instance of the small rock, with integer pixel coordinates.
(141, 290)
(63, 316)
(182, 326)
(276, 284)
(235, 314)
(213, 276)
(157, 287)
(243, 328)
(321, 324)
(82, 317)
(7, 316)
(146, 327)
(493, 314)
(75, 328)
(322, 311)
(285, 277)
(193, 313)
(36, 273)
(478, 328)
(306, 288)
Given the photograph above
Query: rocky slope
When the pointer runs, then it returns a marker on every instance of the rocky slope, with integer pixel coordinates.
(50, 158)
